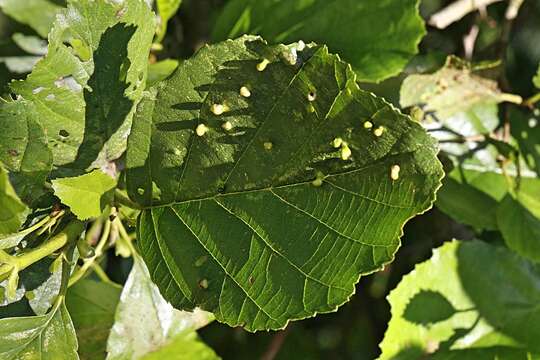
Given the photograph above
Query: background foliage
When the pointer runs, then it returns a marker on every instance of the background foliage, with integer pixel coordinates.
(471, 82)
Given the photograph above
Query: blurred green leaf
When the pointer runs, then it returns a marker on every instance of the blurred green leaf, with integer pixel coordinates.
(166, 10)
(38, 14)
(12, 210)
(92, 305)
(377, 37)
(160, 70)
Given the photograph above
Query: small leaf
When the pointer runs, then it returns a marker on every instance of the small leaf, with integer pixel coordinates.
(428, 307)
(477, 280)
(145, 322)
(86, 195)
(92, 306)
(277, 246)
(377, 37)
(49, 336)
(38, 14)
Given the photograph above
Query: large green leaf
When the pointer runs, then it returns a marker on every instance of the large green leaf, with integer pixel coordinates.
(86, 195)
(377, 37)
(12, 210)
(452, 303)
(145, 322)
(92, 306)
(261, 219)
(49, 336)
(38, 14)
(98, 56)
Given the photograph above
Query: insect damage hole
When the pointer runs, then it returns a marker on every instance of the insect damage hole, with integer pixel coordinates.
(312, 96)
(263, 64)
(394, 172)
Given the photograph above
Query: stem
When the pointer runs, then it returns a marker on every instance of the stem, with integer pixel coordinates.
(532, 100)
(275, 345)
(103, 276)
(125, 235)
(69, 233)
(122, 199)
(79, 273)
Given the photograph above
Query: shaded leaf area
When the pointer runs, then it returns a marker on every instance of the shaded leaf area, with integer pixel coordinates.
(49, 336)
(23, 148)
(13, 211)
(92, 305)
(56, 84)
(215, 235)
(38, 14)
(487, 200)
(462, 290)
(381, 36)
(526, 130)
(86, 195)
(146, 323)
(40, 283)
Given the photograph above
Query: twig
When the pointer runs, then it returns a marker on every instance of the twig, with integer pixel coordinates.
(275, 345)
(456, 11)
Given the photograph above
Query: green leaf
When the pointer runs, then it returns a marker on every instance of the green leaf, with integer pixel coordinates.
(467, 204)
(49, 336)
(377, 37)
(184, 347)
(38, 14)
(166, 10)
(40, 285)
(161, 70)
(86, 195)
(12, 211)
(520, 226)
(536, 78)
(228, 193)
(145, 322)
(92, 306)
(526, 130)
(451, 90)
(23, 148)
(98, 56)
(472, 282)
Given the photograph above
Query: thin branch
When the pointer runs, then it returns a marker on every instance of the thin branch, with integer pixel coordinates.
(456, 11)
(275, 345)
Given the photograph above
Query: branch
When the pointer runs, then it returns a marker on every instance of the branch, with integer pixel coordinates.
(456, 11)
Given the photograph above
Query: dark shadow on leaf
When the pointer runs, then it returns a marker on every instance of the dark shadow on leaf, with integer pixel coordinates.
(106, 104)
(188, 106)
(428, 307)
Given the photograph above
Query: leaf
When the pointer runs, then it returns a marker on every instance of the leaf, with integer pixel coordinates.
(468, 276)
(86, 195)
(266, 222)
(145, 322)
(520, 226)
(452, 89)
(166, 10)
(536, 78)
(49, 336)
(467, 204)
(97, 54)
(40, 285)
(377, 37)
(12, 211)
(161, 70)
(186, 346)
(526, 130)
(38, 14)
(92, 306)
(23, 148)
